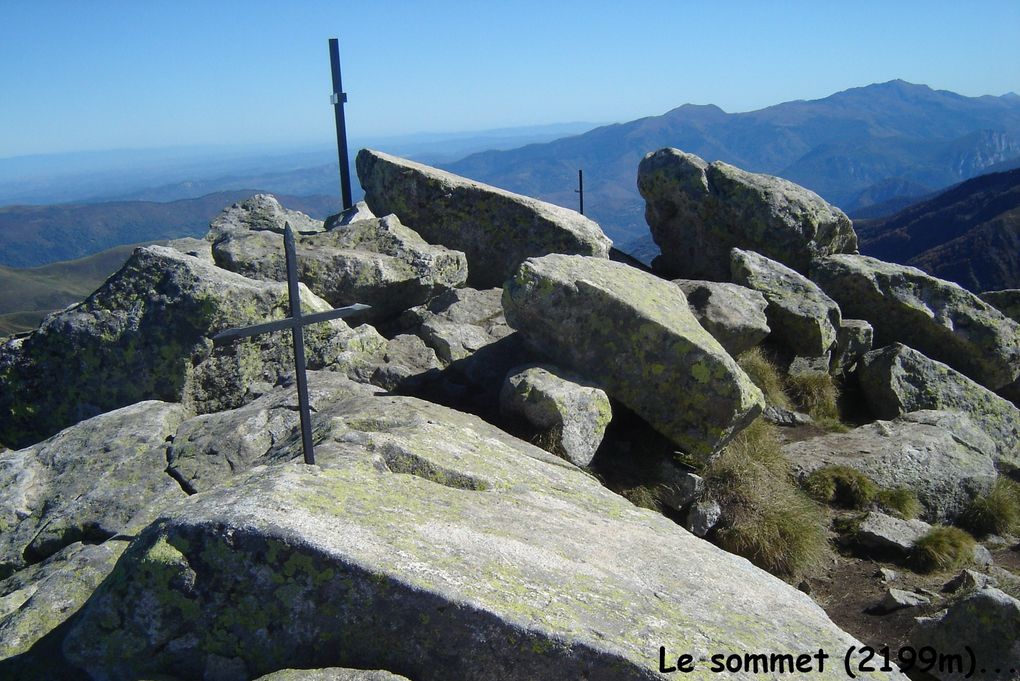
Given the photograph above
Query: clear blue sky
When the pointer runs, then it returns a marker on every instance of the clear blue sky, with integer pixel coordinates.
(152, 73)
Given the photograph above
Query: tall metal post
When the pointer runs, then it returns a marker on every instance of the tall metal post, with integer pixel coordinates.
(338, 98)
(580, 189)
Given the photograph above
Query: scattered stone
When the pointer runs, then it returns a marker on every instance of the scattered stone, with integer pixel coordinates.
(888, 535)
(634, 335)
(785, 417)
(888, 575)
(496, 229)
(898, 379)
(358, 211)
(939, 318)
(969, 580)
(986, 621)
(942, 456)
(261, 212)
(734, 315)
(570, 416)
(801, 317)
(415, 511)
(898, 599)
(147, 334)
(982, 556)
(809, 366)
(1006, 301)
(702, 516)
(854, 339)
(377, 261)
(680, 488)
(87, 483)
(699, 211)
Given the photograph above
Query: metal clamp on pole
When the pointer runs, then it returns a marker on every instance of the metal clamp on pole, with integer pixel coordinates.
(335, 98)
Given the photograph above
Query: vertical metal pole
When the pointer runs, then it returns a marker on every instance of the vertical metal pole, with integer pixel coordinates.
(339, 98)
(294, 294)
(580, 189)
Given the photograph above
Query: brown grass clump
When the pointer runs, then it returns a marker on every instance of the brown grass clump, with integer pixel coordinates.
(996, 512)
(943, 548)
(766, 518)
(818, 396)
(841, 486)
(901, 501)
(764, 374)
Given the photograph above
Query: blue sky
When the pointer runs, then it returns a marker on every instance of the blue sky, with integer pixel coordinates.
(108, 74)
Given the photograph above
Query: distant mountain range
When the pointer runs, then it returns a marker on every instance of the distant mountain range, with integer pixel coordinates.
(969, 234)
(36, 235)
(855, 148)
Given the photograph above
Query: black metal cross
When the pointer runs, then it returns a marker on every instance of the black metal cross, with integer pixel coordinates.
(295, 323)
(339, 98)
(580, 190)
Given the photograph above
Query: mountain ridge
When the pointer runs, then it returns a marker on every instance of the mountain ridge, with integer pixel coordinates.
(837, 146)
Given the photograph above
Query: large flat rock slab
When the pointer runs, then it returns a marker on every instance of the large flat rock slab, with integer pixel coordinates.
(495, 228)
(87, 483)
(943, 457)
(698, 211)
(634, 335)
(937, 317)
(433, 545)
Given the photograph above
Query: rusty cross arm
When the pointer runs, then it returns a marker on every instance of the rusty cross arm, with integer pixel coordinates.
(296, 323)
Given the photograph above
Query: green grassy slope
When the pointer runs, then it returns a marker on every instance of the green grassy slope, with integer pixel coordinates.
(28, 294)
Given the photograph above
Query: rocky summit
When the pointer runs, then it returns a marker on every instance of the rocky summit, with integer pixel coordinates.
(698, 211)
(532, 462)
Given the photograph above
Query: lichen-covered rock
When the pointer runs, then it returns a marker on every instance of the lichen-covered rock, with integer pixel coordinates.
(39, 598)
(943, 457)
(889, 536)
(634, 335)
(261, 212)
(87, 483)
(854, 339)
(208, 450)
(898, 599)
(988, 623)
(1006, 301)
(897, 379)
(494, 228)
(801, 317)
(569, 417)
(459, 323)
(146, 333)
(734, 315)
(358, 211)
(406, 362)
(377, 261)
(425, 531)
(699, 211)
(939, 318)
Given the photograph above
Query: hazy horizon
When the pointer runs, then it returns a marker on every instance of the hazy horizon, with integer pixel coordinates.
(123, 75)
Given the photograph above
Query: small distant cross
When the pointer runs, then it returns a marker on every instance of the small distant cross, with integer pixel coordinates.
(580, 190)
(295, 323)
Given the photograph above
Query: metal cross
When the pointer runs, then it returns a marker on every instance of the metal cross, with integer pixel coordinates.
(338, 98)
(295, 323)
(580, 190)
